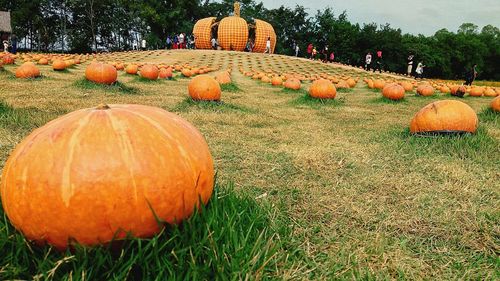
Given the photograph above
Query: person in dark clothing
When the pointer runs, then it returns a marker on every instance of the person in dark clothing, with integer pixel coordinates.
(13, 43)
(470, 75)
(378, 62)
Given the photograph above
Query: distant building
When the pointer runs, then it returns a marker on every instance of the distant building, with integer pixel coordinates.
(5, 27)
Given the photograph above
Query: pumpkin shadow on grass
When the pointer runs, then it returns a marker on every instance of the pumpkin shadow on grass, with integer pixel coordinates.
(189, 104)
(309, 101)
(116, 87)
(462, 145)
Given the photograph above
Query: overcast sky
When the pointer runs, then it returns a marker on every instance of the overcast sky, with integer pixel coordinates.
(412, 16)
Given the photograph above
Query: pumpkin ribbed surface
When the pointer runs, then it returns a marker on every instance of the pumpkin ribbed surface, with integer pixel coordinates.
(263, 30)
(233, 33)
(100, 173)
(202, 31)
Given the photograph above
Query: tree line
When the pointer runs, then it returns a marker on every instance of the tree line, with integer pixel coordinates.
(93, 25)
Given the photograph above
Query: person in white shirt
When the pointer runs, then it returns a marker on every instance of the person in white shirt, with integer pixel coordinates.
(181, 41)
(410, 65)
(297, 49)
(5, 46)
(143, 44)
(420, 70)
(214, 43)
(368, 61)
(268, 46)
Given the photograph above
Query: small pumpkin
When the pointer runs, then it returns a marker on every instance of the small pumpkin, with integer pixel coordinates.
(425, 90)
(495, 104)
(445, 116)
(490, 93)
(322, 89)
(293, 84)
(132, 69)
(393, 91)
(43, 61)
(165, 73)
(204, 87)
(101, 73)
(150, 72)
(407, 86)
(58, 65)
(378, 84)
(223, 78)
(106, 173)
(458, 90)
(476, 92)
(277, 81)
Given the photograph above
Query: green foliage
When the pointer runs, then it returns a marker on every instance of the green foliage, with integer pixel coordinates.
(120, 24)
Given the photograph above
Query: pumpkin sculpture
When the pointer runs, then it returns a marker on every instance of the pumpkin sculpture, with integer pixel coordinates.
(322, 89)
(27, 70)
(103, 173)
(445, 116)
(204, 87)
(495, 104)
(393, 91)
(101, 73)
(150, 72)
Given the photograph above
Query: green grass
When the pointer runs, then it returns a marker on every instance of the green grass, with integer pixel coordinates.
(307, 100)
(24, 119)
(344, 90)
(140, 79)
(232, 238)
(214, 106)
(488, 115)
(230, 87)
(384, 100)
(291, 91)
(117, 87)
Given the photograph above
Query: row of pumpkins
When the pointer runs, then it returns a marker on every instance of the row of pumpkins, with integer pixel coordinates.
(146, 164)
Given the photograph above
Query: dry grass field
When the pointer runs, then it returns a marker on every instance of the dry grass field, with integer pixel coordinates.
(344, 189)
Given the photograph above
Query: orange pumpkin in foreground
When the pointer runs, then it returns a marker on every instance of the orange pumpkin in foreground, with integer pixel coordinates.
(204, 87)
(150, 72)
(322, 89)
(98, 174)
(101, 73)
(495, 104)
(27, 70)
(445, 116)
(393, 91)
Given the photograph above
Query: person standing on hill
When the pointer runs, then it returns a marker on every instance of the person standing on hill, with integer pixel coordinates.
(5, 46)
(268, 46)
(368, 61)
(471, 75)
(420, 70)
(310, 48)
(297, 50)
(169, 42)
(314, 53)
(143, 44)
(410, 64)
(13, 43)
(332, 57)
(378, 63)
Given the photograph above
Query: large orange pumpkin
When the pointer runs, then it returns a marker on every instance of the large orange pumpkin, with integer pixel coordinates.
(98, 174)
(101, 73)
(150, 72)
(445, 116)
(489, 92)
(495, 104)
(393, 91)
(204, 87)
(476, 92)
(27, 70)
(165, 73)
(323, 89)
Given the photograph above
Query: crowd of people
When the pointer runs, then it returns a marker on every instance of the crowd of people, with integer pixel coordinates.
(181, 41)
(10, 45)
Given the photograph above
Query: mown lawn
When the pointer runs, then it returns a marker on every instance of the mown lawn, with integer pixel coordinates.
(305, 189)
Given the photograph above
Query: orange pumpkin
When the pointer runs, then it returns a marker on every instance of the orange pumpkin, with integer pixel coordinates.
(495, 104)
(445, 116)
(407, 86)
(150, 71)
(43, 61)
(27, 70)
(98, 174)
(132, 69)
(204, 87)
(393, 91)
(277, 81)
(293, 84)
(186, 72)
(8, 59)
(425, 90)
(58, 65)
(223, 78)
(489, 92)
(101, 73)
(476, 92)
(378, 84)
(165, 73)
(458, 90)
(323, 89)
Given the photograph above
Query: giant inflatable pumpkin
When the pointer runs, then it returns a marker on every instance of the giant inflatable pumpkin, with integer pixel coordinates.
(102, 173)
